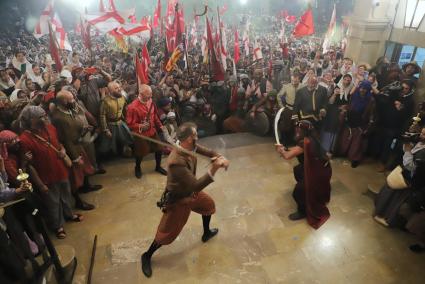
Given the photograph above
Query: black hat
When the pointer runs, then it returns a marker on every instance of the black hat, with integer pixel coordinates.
(414, 64)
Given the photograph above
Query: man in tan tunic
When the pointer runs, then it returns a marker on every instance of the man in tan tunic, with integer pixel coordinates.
(184, 194)
(286, 98)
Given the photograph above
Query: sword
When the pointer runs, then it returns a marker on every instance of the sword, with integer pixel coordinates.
(276, 123)
(172, 145)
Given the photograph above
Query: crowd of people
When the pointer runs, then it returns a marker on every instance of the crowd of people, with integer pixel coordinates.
(60, 127)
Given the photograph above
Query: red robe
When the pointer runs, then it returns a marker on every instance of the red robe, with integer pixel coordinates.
(317, 186)
(138, 112)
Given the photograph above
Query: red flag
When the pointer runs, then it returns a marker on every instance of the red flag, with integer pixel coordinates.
(132, 19)
(171, 7)
(101, 6)
(144, 21)
(146, 57)
(174, 31)
(157, 15)
(290, 19)
(305, 26)
(223, 9)
(170, 38)
(179, 24)
(54, 50)
(218, 73)
(142, 77)
(85, 34)
(237, 54)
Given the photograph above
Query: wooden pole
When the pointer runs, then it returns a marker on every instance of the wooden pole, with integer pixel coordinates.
(175, 146)
(93, 255)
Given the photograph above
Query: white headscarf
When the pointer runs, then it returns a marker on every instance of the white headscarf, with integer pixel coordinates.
(14, 96)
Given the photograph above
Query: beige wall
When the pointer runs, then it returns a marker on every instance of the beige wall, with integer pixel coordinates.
(365, 43)
(370, 28)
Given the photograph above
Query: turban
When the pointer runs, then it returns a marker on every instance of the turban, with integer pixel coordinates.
(164, 101)
(365, 85)
(7, 136)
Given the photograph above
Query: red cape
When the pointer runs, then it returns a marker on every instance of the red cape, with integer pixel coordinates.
(317, 185)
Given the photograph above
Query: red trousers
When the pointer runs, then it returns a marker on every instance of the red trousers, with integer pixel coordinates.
(176, 215)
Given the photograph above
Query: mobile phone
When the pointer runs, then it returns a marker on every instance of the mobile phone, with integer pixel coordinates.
(54, 68)
(23, 68)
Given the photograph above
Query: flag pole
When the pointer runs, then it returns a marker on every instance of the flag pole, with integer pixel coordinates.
(185, 50)
(209, 51)
(55, 41)
(220, 36)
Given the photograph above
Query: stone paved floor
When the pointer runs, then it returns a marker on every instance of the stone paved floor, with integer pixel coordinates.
(256, 242)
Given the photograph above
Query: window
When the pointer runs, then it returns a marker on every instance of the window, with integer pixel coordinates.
(406, 54)
(415, 12)
(420, 56)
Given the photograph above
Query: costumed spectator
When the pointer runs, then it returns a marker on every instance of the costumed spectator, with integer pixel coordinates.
(116, 136)
(142, 118)
(405, 184)
(8, 139)
(36, 76)
(267, 105)
(92, 90)
(372, 79)
(219, 100)
(7, 85)
(70, 131)
(164, 107)
(170, 125)
(361, 74)
(89, 123)
(286, 98)
(48, 159)
(12, 156)
(332, 124)
(310, 102)
(346, 86)
(20, 64)
(380, 70)
(257, 89)
(359, 118)
(394, 109)
(327, 81)
(410, 70)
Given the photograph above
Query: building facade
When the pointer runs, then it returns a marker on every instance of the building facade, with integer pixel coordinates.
(394, 28)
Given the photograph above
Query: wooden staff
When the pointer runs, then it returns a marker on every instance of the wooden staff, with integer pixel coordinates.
(172, 145)
(93, 255)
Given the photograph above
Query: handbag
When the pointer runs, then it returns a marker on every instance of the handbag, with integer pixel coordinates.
(395, 179)
(66, 159)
